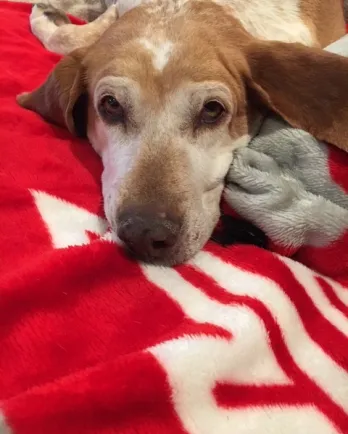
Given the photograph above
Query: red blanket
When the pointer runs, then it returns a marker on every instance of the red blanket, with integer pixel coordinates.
(238, 341)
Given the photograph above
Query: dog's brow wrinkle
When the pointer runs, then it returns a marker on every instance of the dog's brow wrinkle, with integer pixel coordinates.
(160, 51)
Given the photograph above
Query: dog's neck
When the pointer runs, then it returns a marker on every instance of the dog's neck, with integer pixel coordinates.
(262, 19)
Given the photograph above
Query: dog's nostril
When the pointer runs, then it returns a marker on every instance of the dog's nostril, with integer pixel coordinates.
(168, 239)
(159, 245)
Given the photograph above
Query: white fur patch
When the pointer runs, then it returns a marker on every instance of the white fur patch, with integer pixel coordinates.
(124, 6)
(242, 141)
(118, 153)
(271, 19)
(160, 52)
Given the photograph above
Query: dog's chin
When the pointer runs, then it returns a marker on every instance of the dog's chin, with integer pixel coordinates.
(166, 260)
(163, 261)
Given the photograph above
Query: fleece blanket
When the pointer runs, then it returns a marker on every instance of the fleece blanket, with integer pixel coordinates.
(239, 340)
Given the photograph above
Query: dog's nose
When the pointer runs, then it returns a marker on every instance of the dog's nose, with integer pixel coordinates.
(149, 235)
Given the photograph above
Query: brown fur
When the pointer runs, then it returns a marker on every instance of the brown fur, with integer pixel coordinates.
(305, 85)
(325, 19)
(55, 99)
(308, 87)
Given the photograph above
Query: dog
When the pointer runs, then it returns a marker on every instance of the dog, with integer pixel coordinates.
(166, 90)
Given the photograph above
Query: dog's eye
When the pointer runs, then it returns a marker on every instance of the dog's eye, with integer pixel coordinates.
(110, 109)
(211, 112)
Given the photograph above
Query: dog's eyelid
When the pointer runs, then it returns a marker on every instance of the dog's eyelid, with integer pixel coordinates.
(116, 85)
(122, 97)
(222, 99)
(120, 94)
(208, 91)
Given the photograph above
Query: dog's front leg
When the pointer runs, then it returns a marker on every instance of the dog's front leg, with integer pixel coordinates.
(54, 29)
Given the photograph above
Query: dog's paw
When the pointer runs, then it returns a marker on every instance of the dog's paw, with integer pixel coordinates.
(44, 21)
(47, 12)
(38, 10)
(111, 14)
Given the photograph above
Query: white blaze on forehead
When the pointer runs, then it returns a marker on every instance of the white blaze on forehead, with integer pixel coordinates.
(160, 51)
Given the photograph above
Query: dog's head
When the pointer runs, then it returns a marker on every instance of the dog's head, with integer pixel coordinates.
(165, 103)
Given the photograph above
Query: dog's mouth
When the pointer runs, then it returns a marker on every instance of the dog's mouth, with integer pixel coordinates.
(164, 250)
(160, 254)
(163, 255)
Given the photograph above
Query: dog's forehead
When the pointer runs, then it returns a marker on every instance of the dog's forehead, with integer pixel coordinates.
(160, 64)
(161, 58)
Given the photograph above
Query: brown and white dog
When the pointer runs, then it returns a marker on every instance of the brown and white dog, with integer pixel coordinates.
(165, 90)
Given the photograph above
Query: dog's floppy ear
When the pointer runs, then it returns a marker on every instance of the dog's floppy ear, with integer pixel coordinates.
(61, 100)
(308, 87)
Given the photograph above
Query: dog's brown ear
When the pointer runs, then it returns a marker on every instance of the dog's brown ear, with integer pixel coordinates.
(308, 87)
(58, 100)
